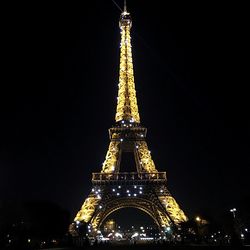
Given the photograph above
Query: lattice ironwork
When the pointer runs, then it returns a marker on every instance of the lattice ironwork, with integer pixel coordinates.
(110, 163)
(173, 209)
(88, 208)
(127, 108)
(145, 157)
(164, 220)
(145, 189)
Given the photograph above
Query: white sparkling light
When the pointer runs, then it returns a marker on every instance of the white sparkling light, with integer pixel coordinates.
(118, 235)
(134, 235)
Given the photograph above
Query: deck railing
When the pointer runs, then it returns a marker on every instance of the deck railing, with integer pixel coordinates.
(123, 176)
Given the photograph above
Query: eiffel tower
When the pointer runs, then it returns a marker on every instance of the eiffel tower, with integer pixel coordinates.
(145, 188)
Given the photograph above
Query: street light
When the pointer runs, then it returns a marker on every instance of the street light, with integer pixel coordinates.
(198, 219)
(233, 210)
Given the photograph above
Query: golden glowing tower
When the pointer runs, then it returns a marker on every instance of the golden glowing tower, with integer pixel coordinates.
(127, 108)
(144, 189)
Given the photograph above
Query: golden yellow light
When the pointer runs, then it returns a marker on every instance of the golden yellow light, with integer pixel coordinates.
(198, 219)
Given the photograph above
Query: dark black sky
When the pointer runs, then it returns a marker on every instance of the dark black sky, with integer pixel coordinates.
(58, 100)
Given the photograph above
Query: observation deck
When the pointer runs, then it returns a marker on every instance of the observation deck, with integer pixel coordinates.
(129, 178)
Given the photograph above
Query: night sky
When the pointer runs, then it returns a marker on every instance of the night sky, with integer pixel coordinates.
(59, 99)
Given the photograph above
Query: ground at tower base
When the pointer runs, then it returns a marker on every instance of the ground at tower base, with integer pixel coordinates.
(153, 245)
(23, 226)
(140, 247)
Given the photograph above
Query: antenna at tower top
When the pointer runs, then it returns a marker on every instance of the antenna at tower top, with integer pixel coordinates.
(125, 6)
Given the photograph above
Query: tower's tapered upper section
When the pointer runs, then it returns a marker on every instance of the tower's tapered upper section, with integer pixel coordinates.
(127, 108)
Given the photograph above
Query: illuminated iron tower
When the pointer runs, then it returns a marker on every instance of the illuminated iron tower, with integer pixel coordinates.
(145, 188)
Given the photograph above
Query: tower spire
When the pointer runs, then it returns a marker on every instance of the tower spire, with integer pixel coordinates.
(127, 109)
(125, 6)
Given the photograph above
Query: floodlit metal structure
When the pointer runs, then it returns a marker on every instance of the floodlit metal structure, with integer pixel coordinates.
(144, 189)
